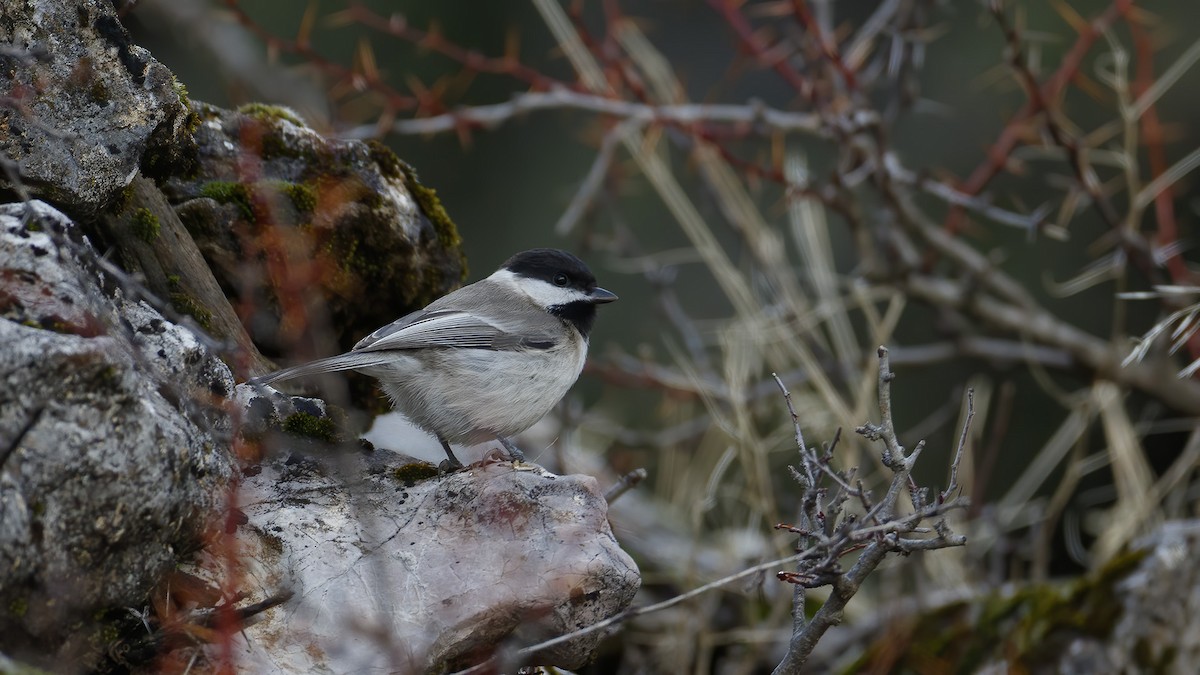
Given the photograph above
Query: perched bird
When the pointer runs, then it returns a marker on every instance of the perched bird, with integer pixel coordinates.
(487, 360)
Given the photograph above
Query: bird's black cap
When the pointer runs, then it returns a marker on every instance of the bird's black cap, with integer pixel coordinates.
(547, 263)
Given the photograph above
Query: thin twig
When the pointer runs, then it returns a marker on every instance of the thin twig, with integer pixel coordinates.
(962, 444)
(885, 535)
(745, 116)
(639, 611)
(625, 484)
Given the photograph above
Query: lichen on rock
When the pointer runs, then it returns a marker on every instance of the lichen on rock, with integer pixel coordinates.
(91, 106)
(115, 438)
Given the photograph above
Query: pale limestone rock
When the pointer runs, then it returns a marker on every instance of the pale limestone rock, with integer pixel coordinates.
(401, 574)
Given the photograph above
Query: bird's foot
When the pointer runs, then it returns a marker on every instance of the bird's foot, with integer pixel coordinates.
(446, 466)
(514, 453)
(451, 463)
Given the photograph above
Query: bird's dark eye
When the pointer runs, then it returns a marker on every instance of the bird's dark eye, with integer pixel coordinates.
(561, 279)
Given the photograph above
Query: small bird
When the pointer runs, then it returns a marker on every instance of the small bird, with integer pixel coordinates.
(487, 360)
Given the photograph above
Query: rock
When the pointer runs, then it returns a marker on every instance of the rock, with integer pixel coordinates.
(114, 458)
(113, 442)
(395, 568)
(1136, 614)
(89, 107)
(266, 410)
(338, 230)
(1160, 601)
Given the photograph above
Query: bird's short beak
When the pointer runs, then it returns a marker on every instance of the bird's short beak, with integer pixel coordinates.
(599, 296)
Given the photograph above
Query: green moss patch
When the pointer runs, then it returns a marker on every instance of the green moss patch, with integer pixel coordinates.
(145, 225)
(311, 426)
(1025, 627)
(431, 206)
(18, 607)
(186, 304)
(302, 197)
(415, 472)
(270, 113)
(226, 192)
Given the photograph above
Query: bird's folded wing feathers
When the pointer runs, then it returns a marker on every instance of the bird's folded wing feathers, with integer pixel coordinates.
(348, 361)
(441, 328)
(448, 328)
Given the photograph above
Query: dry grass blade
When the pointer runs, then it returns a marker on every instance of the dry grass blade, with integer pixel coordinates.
(1048, 457)
(1168, 79)
(1168, 178)
(810, 232)
(1131, 474)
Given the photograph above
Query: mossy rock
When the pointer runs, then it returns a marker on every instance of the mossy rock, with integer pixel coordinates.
(266, 112)
(414, 472)
(370, 241)
(1026, 627)
(311, 426)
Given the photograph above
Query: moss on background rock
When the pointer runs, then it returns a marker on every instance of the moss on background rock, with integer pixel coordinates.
(374, 242)
(145, 225)
(1026, 628)
(312, 426)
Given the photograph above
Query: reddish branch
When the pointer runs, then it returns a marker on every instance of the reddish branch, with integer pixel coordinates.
(300, 47)
(1000, 151)
(775, 56)
(1130, 241)
(477, 62)
(827, 44)
(1164, 205)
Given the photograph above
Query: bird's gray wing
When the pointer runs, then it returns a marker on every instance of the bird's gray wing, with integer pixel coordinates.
(347, 361)
(433, 327)
(450, 328)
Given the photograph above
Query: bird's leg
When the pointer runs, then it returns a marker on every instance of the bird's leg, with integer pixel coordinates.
(514, 453)
(453, 461)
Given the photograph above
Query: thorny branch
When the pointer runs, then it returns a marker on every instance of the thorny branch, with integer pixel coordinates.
(743, 118)
(1133, 244)
(860, 136)
(831, 77)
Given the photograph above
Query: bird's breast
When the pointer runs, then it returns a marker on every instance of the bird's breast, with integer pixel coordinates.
(466, 393)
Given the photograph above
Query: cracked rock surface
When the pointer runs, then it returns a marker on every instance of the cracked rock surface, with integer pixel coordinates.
(397, 569)
(91, 106)
(113, 445)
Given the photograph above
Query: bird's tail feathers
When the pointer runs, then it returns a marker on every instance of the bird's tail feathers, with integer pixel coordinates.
(348, 361)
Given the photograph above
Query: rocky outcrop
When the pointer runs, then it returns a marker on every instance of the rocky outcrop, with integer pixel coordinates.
(126, 449)
(88, 107)
(115, 453)
(318, 224)
(389, 566)
(113, 440)
(297, 229)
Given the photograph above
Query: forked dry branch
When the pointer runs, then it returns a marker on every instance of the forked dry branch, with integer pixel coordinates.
(839, 516)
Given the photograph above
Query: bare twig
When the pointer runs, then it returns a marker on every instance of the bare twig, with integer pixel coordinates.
(590, 187)
(746, 116)
(625, 484)
(618, 619)
(885, 535)
(962, 444)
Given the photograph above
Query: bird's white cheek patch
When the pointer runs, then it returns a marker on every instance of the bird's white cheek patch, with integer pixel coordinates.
(543, 293)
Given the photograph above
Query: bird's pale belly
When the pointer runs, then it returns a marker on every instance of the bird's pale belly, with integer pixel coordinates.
(506, 393)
